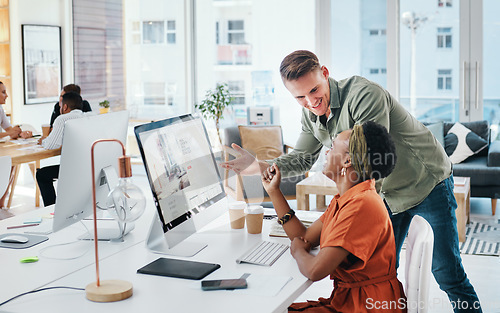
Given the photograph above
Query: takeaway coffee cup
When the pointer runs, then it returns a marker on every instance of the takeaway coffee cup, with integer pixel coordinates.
(237, 214)
(45, 130)
(254, 217)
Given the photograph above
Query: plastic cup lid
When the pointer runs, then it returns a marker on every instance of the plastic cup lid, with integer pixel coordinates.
(254, 209)
(237, 205)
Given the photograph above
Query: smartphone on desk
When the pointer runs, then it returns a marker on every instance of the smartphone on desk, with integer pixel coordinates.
(221, 284)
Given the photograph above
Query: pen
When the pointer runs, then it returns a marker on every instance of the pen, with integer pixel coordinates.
(21, 226)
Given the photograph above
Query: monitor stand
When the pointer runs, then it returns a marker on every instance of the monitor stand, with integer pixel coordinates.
(108, 229)
(158, 243)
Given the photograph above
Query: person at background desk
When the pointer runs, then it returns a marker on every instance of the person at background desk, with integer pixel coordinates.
(71, 108)
(13, 132)
(355, 232)
(421, 183)
(57, 107)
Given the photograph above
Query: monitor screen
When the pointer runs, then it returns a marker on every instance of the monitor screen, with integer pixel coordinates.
(182, 173)
(74, 187)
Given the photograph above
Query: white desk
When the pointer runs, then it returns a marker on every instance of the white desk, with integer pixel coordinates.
(155, 292)
(19, 277)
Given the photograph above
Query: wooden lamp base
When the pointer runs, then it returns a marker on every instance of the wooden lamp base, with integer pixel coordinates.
(109, 291)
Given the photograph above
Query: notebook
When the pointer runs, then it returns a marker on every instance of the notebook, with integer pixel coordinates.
(178, 268)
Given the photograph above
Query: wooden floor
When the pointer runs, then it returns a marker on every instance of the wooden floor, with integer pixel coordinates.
(483, 271)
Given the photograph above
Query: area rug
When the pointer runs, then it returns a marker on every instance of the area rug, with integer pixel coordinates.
(482, 236)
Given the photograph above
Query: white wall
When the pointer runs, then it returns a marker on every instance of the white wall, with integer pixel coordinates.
(46, 12)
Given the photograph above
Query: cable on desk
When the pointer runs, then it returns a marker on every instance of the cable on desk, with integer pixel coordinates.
(41, 252)
(38, 290)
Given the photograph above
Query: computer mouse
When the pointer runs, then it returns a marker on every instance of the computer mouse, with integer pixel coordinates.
(15, 239)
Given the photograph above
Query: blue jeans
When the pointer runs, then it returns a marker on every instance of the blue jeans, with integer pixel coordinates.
(439, 210)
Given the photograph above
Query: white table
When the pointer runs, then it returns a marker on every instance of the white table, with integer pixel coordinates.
(150, 292)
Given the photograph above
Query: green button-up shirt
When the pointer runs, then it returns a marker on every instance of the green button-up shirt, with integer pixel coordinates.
(421, 161)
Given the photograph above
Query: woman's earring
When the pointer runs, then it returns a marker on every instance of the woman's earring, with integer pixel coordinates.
(343, 171)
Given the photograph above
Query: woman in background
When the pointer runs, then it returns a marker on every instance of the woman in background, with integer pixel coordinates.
(13, 132)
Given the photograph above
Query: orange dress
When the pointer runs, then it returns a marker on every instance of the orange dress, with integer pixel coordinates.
(366, 280)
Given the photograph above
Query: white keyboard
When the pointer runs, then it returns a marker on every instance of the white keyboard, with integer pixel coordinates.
(264, 253)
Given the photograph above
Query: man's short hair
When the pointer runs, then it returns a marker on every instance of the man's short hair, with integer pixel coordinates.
(72, 100)
(298, 64)
(72, 88)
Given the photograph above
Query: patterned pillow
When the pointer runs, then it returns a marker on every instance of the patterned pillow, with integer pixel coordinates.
(460, 143)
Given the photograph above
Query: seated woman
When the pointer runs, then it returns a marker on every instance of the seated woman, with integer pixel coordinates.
(355, 233)
(13, 132)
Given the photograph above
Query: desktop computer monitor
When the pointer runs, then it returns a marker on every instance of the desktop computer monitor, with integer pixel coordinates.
(184, 179)
(74, 187)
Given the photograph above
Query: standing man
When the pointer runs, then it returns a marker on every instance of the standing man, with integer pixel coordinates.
(421, 183)
(71, 108)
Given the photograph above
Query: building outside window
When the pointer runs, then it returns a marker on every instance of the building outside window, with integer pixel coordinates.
(444, 37)
(153, 32)
(444, 80)
(171, 32)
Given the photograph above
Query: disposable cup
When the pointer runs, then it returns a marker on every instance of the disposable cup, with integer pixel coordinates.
(237, 214)
(254, 218)
(45, 130)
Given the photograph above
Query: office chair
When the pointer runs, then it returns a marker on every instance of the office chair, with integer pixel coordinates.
(264, 142)
(420, 243)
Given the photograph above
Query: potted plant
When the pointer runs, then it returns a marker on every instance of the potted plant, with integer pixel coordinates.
(214, 104)
(104, 107)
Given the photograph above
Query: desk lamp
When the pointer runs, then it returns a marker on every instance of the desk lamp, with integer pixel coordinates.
(128, 203)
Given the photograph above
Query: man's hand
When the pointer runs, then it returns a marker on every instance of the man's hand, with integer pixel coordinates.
(271, 178)
(40, 140)
(245, 164)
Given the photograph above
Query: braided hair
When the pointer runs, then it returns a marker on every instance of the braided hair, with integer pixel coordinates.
(372, 151)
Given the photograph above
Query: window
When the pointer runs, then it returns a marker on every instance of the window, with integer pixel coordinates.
(378, 71)
(444, 80)
(377, 32)
(136, 32)
(171, 92)
(217, 33)
(153, 32)
(237, 90)
(444, 37)
(235, 32)
(154, 93)
(444, 3)
(171, 32)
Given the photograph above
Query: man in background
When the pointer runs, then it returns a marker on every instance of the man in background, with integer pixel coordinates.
(71, 108)
(57, 107)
